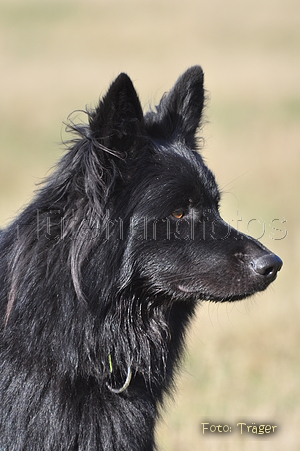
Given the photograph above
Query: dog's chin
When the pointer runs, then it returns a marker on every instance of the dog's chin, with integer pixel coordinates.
(199, 294)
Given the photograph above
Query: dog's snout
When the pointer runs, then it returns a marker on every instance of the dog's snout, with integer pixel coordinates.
(267, 265)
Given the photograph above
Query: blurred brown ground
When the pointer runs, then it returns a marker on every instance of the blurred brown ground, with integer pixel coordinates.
(57, 56)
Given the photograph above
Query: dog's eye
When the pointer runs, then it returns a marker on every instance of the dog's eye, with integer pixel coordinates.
(178, 214)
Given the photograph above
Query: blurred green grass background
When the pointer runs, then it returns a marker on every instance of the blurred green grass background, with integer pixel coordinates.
(243, 359)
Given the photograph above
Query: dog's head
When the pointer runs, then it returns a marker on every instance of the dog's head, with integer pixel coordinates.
(165, 199)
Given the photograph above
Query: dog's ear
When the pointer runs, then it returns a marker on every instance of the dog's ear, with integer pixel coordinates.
(179, 112)
(117, 122)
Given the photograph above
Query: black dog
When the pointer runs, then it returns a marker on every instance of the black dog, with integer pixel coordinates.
(101, 273)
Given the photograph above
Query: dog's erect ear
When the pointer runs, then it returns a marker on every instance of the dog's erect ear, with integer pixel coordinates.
(179, 112)
(117, 122)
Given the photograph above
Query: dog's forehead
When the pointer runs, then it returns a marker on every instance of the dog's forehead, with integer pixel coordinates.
(180, 164)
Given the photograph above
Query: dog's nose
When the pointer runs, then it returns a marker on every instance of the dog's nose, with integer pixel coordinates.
(267, 265)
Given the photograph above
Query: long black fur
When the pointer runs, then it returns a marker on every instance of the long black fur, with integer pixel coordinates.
(102, 272)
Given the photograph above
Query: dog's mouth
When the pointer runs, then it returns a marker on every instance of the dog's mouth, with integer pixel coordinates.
(236, 294)
(199, 295)
(188, 290)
